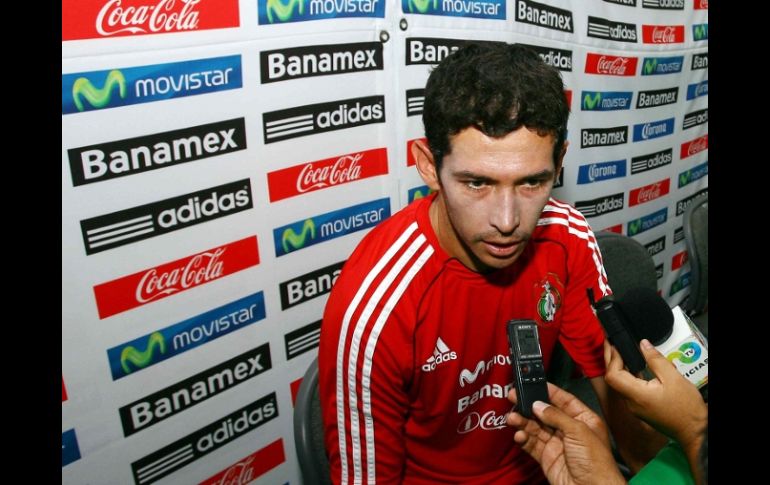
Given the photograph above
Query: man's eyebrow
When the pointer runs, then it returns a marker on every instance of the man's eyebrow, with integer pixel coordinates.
(467, 174)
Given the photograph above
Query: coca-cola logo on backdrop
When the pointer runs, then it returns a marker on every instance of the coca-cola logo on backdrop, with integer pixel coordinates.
(610, 65)
(93, 19)
(168, 279)
(329, 172)
(649, 192)
(662, 34)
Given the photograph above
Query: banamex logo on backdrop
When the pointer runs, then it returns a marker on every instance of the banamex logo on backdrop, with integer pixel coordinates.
(319, 60)
(95, 19)
(180, 396)
(105, 161)
(87, 91)
(544, 15)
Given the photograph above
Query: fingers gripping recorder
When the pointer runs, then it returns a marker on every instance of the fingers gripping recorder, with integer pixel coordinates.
(528, 369)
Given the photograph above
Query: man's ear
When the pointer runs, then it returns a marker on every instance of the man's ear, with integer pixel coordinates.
(425, 163)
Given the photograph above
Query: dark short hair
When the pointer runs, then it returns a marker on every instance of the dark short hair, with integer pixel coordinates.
(496, 88)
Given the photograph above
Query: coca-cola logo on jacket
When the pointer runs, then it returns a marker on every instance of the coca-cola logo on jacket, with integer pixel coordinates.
(329, 172)
(93, 19)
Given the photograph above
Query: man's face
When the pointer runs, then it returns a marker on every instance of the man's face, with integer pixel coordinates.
(492, 191)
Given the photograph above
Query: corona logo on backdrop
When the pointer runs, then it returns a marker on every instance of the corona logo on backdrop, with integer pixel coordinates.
(87, 91)
(285, 11)
(697, 90)
(95, 19)
(481, 9)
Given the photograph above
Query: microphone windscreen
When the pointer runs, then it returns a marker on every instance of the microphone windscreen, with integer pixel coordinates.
(648, 314)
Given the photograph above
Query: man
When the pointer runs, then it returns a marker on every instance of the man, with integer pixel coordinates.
(414, 365)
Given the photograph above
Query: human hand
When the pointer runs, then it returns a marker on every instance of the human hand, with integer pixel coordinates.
(570, 442)
(669, 402)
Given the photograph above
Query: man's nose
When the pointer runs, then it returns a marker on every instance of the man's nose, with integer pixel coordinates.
(505, 212)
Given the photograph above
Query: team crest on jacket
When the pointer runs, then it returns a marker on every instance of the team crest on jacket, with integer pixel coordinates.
(549, 301)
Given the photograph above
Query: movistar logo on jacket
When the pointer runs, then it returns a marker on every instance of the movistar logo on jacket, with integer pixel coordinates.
(307, 232)
(284, 11)
(480, 9)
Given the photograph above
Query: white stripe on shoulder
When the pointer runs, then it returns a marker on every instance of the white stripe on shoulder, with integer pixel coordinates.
(556, 212)
(389, 254)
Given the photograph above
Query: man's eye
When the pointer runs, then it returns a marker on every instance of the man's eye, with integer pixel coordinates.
(475, 184)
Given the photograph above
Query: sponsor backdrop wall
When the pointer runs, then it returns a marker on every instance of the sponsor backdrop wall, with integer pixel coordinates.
(220, 160)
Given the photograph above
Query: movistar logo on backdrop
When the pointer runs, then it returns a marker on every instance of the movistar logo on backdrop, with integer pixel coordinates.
(680, 284)
(697, 90)
(700, 32)
(284, 11)
(647, 222)
(605, 100)
(596, 172)
(662, 65)
(653, 129)
(301, 234)
(481, 9)
(417, 193)
(88, 91)
(131, 357)
(689, 176)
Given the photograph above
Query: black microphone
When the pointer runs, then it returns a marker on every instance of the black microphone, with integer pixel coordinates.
(670, 330)
(619, 331)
